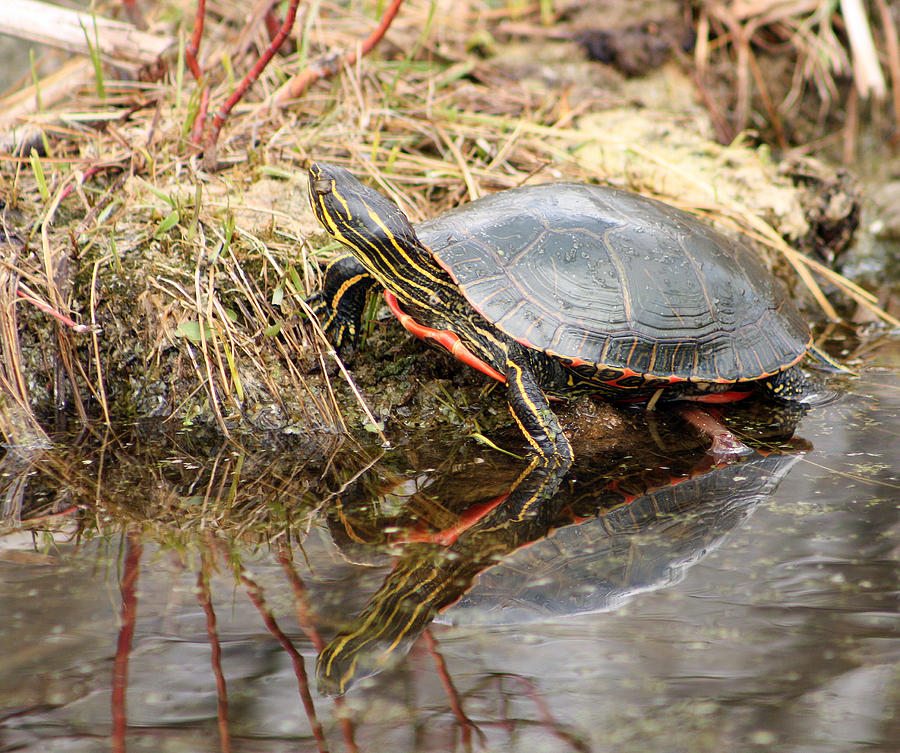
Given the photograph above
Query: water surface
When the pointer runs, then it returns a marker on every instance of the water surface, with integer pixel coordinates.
(676, 605)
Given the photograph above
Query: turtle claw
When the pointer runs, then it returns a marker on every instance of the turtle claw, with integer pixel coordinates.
(340, 303)
(341, 331)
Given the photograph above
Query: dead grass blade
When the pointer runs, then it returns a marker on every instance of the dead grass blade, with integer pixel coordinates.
(18, 424)
(892, 48)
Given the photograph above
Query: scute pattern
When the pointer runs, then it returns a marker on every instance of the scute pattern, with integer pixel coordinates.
(611, 278)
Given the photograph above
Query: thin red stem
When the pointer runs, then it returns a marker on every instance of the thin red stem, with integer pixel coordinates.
(48, 309)
(200, 118)
(255, 592)
(303, 80)
(212, 631)
(301, 600)
(304, 618)
(252, 76)
(466, 724)
(128, 589)
(193, 48)
(375, 37)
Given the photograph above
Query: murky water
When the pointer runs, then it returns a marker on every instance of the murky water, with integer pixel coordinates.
(677, 605)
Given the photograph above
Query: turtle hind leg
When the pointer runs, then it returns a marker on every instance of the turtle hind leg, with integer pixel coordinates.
(794, 385)
(790, 385)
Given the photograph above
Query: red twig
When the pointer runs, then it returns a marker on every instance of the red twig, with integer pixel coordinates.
(255, 592)
(193, 48)
(466, 724)
(216, 658)
(304, 618)
(330, 66)
(272, 25)
(90, 172)
(200, 117)
(128, 589)
(247, 82)
(48, 309)
(375, 37)
(546, 716)
(724, 131)
(301, 598)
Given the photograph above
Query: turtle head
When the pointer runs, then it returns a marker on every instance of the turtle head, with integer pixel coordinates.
(370, 224)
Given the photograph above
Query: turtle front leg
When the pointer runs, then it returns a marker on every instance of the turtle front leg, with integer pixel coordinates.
(339, 306)
(531, 409)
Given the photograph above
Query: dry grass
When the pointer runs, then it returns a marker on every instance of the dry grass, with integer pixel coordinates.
(189, 285)
(835, 57)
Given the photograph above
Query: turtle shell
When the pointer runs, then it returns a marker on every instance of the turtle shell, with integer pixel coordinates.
(595, 275)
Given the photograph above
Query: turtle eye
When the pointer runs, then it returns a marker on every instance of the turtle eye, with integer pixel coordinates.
(321, 186)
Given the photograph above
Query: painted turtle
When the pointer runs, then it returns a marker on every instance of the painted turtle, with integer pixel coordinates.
(565, 289)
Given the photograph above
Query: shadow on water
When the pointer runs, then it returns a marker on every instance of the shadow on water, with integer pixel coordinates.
(160, 593)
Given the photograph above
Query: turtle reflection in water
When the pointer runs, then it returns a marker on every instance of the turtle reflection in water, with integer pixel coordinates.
(665, 518)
